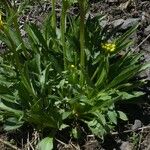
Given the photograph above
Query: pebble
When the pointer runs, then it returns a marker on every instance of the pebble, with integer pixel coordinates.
(137, 124)
(126, 146)
(118, 22)
(147, 30)
(126, 23)
(130, 22)
(111, 1)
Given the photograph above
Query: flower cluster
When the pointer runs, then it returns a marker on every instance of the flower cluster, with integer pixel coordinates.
(1, 23)
(109, 47)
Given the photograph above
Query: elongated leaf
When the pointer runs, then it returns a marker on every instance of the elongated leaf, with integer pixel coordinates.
(145, 66)
(38, 35)
(4, 90)
(8, 97)
(124, 75)
(102, 72)
(10, 108)
(126, 35)
(12, 123)
(44, 77)
(25, 79)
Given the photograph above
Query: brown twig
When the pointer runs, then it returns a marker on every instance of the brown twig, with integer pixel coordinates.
(128, 131)
(31, 146)
(10, 145)
(142, 42)
(77, 148)
(140, 140)
(61, 142)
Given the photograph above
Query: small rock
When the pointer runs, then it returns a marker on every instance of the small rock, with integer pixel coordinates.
(130, 22)
(137, 124)
(147, 30)
(103, 23)
(118, 22)
(126, 146)
(23, 33)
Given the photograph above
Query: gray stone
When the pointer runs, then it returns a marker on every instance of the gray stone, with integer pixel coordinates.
(147, 30)
(103, 23)
(23, 33)
(130, 22)
(111, 1)
(118, 22)
(137, 124)
(126, 146)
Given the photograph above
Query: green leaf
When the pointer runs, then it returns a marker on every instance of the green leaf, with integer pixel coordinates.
(26, 81)
(112, 115)
(63, 126)
(125, 75)
(65, 115)
(134, 94)
(101, 118)
(44, 77)
(12, 124)
(122, 115)
(96, 128)
(145, 66)
(14, 37)
(102, 71)
(10, 107)
(126, 35)
(46, 144)
(37, 35)
(4, 90)
(75, 133)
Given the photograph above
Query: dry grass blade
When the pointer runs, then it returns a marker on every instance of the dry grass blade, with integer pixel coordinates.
(9, 145)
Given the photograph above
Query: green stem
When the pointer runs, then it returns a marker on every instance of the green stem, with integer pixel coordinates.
(82, 39)
(53, 15)
(63, 30)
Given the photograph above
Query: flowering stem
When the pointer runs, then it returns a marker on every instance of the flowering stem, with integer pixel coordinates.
(63, 30)
(53, 15)
(82, 38)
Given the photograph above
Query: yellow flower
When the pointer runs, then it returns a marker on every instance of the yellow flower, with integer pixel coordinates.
(109, 47)
(72, 66)
(1, 22)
